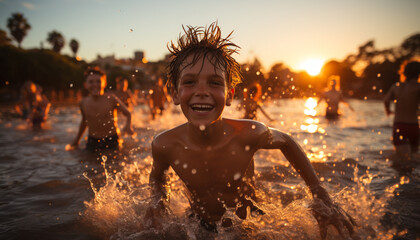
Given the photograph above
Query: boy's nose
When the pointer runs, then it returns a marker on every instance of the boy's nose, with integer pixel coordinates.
(201, 90)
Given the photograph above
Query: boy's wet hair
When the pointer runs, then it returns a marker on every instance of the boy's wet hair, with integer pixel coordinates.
(94, 70)
(410, 69)
(203, 42)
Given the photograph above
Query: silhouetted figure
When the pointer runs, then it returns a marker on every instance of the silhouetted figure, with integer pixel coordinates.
(157, 98)
(213, 156)
(33, 105)
(251, 102)
(406, 95)
(333, 96)
(123, 93)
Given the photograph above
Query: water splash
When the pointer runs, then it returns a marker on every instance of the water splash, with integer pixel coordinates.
(118, 208)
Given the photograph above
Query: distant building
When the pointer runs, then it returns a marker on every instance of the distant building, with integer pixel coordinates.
(104, 62)
(127, 64)
(139, 56)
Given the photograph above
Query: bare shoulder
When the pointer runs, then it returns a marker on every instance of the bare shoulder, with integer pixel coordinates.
(167, 138)
(83, 102)
(248, 130)
(245, 124)
(111, 97)
(258, 135)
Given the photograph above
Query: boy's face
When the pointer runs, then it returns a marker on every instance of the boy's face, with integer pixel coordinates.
(202, 92)
(95, 84)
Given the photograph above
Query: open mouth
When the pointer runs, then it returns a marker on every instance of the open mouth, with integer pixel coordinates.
(202, 107)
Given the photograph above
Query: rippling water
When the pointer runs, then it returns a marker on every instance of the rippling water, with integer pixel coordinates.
(50, 193)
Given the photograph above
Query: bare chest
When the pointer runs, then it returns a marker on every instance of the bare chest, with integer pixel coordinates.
(101, 111)
(205, 169)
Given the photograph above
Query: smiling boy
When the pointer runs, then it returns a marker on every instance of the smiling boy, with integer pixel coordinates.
(99, 114)
(212, 155)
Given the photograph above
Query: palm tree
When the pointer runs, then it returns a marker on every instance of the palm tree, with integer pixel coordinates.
(74, 45)
(56, 40)
(18, 26)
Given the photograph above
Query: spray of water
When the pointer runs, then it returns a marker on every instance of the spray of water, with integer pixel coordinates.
(118, 207)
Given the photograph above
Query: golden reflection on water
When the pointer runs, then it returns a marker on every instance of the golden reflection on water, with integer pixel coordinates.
(311, 123)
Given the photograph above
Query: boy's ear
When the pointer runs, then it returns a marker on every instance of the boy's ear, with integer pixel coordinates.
(175, 96)
(230, 95)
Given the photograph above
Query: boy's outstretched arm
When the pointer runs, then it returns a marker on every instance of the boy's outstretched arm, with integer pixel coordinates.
(387, 100)
(324, 209)
(321, 97)
(265, 114)
(82, 128)
(342, 99)
(160, 192)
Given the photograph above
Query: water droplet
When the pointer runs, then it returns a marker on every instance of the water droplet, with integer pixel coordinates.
(228, 184)
(185, 165)
(131, 30)
(247, 147)
(194, 171)
(202, 127)
(104, 158)
(404, 180)
(253, 126)
(176, 162)
(237, 176)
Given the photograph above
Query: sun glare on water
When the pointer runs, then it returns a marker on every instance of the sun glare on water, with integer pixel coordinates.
(312, 66)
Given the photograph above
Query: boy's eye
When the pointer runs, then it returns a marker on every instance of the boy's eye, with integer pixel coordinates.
(217, 83)
(187, 82)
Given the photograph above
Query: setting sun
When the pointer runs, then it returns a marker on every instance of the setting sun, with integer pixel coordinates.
(312, 66)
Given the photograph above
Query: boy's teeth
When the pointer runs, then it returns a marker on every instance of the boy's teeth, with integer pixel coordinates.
(201, 107)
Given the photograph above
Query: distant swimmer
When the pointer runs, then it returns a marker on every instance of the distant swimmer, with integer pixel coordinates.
(251, 102)
(34, 105)
(333, 96)
(157, 98)
(406, 95)
(123, 93)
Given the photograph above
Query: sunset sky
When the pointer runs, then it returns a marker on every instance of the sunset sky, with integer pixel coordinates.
(275, 31)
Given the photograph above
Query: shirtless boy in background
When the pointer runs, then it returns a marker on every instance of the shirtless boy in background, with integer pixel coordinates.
(406, 95)
(99, 114)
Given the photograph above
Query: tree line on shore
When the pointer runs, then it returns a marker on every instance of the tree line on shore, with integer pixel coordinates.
(366, 74)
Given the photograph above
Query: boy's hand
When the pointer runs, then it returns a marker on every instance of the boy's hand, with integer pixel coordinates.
(326, 212)
(72, 146)
(154, 215)
(128, 130)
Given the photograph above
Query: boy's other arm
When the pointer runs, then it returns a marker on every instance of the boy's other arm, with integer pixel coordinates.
(123, 108)
(158, 182)
(342, 99)
(321, 97)
(82, 128)
(325, 211)
(387, 100)
(265, 114)
(276, 139)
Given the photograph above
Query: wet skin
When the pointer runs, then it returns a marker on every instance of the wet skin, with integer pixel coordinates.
(98, 110)
(212, 155)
